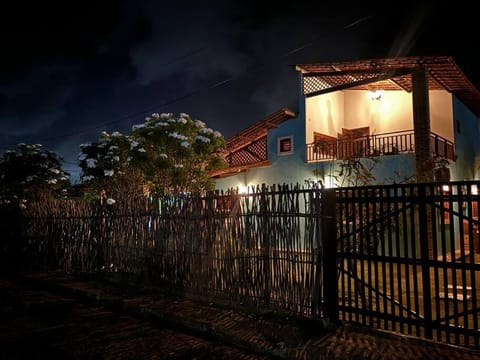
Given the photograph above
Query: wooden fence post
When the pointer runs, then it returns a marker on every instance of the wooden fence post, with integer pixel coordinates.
(329, 242)
(266, 242)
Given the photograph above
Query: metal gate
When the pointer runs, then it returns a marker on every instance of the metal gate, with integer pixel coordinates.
(408, 259)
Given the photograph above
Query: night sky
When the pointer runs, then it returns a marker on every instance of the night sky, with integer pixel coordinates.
(72, 69)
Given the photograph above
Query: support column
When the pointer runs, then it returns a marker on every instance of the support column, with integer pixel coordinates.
(424, 162)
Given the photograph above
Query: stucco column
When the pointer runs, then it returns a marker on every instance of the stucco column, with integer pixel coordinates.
(424, 162)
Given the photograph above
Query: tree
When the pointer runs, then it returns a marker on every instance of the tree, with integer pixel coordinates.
(166, 153)
(31, 173)
(106, 164)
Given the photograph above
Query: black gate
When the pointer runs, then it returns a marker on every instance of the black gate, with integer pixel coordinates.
(408, 259)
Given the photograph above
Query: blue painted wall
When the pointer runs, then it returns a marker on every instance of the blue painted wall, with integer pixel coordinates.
(467, 147)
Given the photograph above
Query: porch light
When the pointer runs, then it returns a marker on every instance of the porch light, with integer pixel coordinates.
(376, 95)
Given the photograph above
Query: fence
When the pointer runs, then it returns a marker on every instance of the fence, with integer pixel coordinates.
(403, 258)
(261, 248)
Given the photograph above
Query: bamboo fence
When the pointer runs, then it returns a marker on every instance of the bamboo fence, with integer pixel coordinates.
(261, 248)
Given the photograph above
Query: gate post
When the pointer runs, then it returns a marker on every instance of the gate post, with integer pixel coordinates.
(329, 241)
(423, 220)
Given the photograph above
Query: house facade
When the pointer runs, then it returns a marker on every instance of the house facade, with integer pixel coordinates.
(375, 121)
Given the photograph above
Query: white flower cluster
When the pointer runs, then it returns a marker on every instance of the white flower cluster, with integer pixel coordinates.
(178, 136)
(206, 130)
(134, 144)
(91, 163)
(199, 124)
(203, 139)
(138, 126)
(161, 124)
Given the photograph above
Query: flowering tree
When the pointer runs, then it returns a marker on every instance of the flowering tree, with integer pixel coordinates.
(166, 153)
(31, 173)
(106, 163)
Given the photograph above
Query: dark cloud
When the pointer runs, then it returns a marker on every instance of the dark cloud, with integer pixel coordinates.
(70, 70)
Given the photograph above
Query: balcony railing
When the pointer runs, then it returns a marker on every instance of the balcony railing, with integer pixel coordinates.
(400, 142)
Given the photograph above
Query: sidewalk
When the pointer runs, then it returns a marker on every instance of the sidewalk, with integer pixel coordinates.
(264, 333)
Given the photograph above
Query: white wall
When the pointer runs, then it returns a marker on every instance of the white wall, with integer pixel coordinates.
(393, 112)
(324, 114)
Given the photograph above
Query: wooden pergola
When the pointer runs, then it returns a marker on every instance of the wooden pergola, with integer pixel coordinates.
(389, 74)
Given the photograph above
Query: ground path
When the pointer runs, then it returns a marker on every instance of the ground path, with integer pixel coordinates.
(57, 316)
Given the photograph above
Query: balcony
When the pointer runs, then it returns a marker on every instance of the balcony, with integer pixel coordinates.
(400, 142)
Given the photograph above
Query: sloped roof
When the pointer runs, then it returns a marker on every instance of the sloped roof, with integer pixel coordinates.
(249, 136)
(389, 74)
(258, 130)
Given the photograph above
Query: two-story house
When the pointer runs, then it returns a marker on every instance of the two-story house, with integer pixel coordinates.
(374, 121)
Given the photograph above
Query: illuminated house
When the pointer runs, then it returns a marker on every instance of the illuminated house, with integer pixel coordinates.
(400, 118)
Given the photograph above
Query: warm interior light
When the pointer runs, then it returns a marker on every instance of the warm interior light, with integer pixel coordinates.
(329, 182)
(376, 95)
(474, 190)
(445, 188)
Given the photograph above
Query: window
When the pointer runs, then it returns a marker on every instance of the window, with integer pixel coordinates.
(285, 145)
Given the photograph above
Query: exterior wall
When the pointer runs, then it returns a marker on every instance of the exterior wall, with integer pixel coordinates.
(283, 171)
(467, 147)
(385, 170)
(291, 169)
